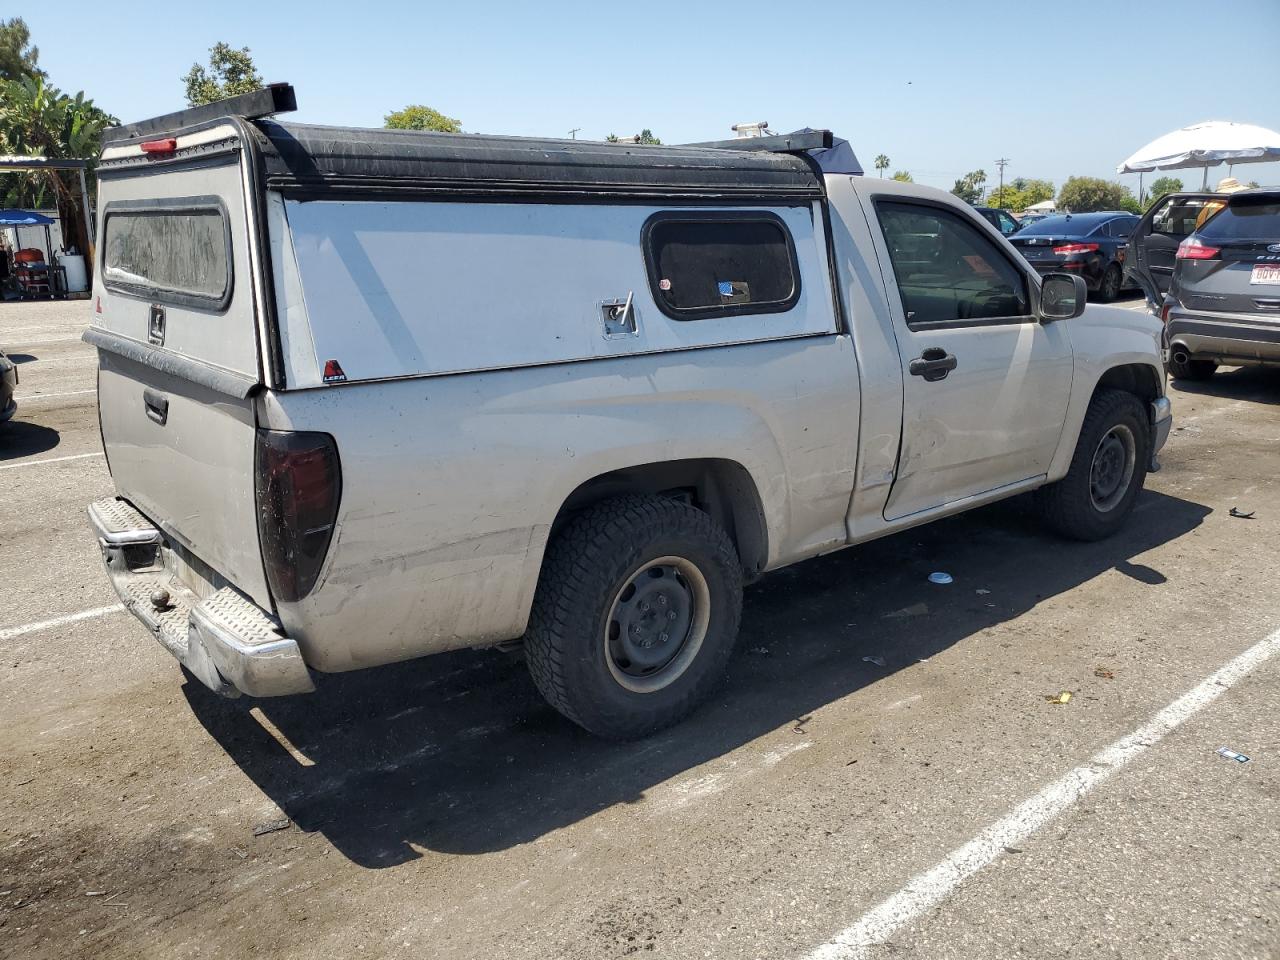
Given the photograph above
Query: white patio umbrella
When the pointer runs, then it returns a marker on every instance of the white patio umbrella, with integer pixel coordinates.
(1206, 145)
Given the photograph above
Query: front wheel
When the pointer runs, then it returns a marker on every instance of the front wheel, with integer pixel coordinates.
(635, 616)
(1107, 470)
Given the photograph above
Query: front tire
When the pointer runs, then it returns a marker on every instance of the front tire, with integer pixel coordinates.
(635, 616)
(1107, 470)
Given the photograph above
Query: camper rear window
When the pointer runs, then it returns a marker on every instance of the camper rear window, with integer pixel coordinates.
(711, 264)
(180, 253)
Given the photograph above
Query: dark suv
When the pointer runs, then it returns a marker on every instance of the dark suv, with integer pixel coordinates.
(1223, 299)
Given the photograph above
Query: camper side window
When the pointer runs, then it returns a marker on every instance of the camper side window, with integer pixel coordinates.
(177, 251)
(720, 264)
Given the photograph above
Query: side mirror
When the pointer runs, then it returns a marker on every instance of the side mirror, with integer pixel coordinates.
(1062, 296)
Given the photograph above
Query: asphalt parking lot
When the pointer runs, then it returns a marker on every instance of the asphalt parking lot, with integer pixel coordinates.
(883, 775)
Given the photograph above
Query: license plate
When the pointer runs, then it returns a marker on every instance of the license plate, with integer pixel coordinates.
(1265, 273)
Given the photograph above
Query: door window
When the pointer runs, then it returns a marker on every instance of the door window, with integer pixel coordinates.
(1008, 225)
(947, 270)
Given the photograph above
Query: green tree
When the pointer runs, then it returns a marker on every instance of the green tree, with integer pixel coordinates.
(969, 187)
(417, 116)
(902, 176)
(1089, 194)
(646, 136)
(18, 58)
(40, 120)
(1162, 186)
(882, 164)
(1020, 194)
(230, 72)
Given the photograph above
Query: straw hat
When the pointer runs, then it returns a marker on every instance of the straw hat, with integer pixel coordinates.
(1230, 185)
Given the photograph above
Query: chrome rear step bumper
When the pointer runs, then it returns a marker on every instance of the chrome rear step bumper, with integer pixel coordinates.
(224, 639)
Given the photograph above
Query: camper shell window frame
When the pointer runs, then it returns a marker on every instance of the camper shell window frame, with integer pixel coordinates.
(711, 311)
(170, 295)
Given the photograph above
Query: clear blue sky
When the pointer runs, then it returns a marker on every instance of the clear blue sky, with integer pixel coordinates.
(940, 86)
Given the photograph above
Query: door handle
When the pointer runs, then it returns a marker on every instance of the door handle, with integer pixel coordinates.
(934, 364)
(157, 406)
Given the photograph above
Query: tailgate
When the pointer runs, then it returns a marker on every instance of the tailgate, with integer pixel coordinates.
(175, 325)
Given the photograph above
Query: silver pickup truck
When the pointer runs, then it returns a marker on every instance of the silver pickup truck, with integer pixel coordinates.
(368, 395)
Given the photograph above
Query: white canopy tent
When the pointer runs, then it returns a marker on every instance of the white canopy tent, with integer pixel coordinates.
(1044, 206)
(1206, 145)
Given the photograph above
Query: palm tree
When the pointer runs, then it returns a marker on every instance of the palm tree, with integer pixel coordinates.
(39, 120)
(882, 164)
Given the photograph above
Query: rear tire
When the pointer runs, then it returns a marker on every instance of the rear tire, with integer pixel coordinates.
(1107, 470)
(1192, 369)
(1109, 288)
(635, 616)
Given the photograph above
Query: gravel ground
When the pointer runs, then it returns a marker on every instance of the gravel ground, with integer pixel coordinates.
(439, 808)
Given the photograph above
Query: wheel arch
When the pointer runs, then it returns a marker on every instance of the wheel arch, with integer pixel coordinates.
(723, 488)
(1139, 375)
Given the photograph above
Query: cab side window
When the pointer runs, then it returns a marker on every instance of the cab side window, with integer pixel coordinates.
(947, 270)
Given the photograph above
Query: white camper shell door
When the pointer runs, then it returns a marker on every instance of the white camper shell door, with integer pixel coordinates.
(411, 288)
(177, 420)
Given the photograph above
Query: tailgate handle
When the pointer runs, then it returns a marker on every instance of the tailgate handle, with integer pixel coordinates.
(157, 405)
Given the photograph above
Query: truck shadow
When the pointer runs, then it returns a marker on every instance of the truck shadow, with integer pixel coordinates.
(458, 754)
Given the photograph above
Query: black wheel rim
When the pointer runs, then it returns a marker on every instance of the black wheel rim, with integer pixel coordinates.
(1111, 472)
(656, 624)
(1111, 284)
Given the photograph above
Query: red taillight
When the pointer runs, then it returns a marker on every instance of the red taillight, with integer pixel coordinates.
(1192, 249)
(1069, 248)
(160, 146)
(1164, 313)
(298, 483)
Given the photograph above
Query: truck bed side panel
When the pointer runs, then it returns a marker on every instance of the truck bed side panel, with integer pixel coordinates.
(451, 484)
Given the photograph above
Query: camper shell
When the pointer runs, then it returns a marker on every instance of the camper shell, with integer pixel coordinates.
(363, 391)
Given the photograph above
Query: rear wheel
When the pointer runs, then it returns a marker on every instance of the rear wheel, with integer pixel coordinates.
(1192, 369)
(1107, 470)
(1109, 288)
(636, 615)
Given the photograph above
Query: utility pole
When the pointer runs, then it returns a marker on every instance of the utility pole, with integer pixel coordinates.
(573, 134)
(1002, 163)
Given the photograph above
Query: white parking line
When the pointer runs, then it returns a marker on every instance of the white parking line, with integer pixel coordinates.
(37, 463)
(8, 633)
(49, 396)
(925, 891)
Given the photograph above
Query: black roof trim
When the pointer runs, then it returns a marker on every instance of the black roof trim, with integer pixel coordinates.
(776, 143)
(314, 161)
(272, 99)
